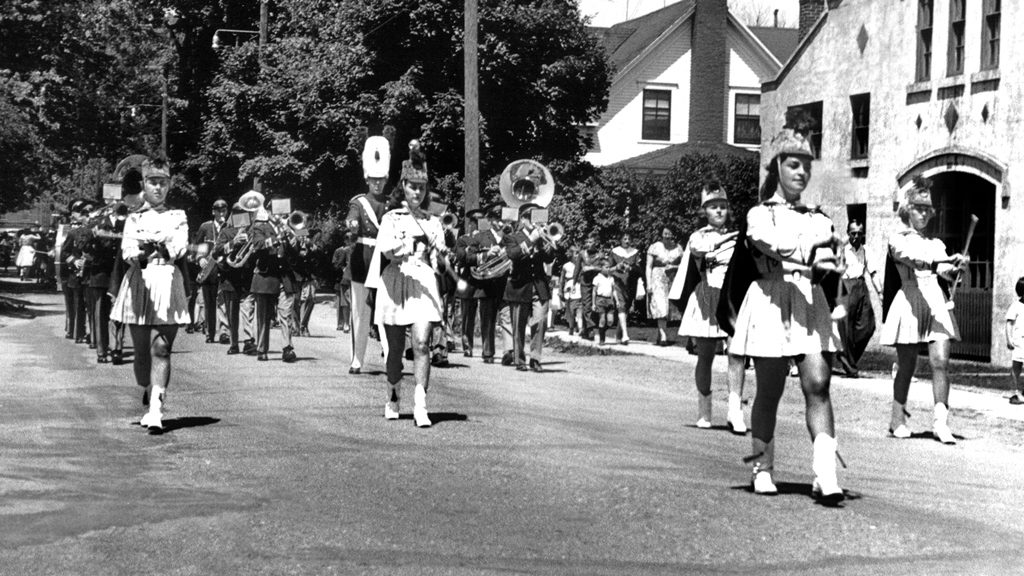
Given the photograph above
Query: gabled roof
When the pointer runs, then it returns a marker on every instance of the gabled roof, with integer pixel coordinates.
(661, 161)
(625, 41)
(781, 42)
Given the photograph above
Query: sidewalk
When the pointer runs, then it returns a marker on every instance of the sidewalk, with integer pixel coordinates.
(990, 402)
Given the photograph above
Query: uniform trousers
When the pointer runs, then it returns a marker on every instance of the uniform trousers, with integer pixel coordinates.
(74, 302)
(286, 316)
(232, 311)
(469, 306)
(344, 303)
(361, 317)
(247, 315)
(100, 305)
(210, 309)
(533, 314)
(305, 299)
(493, 313)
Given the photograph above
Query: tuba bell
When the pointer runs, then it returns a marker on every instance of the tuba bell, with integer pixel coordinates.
(298, 220)
(526, 182)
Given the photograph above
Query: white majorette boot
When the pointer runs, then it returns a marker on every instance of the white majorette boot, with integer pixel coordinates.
(391, 406)
(898, 422)
(703, 410)
(735, 415)
(153, 420)
(764, 461)
(419, 407)
(940, 427)
(826, 484)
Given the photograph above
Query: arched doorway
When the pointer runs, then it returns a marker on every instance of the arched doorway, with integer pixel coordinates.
(958, 195)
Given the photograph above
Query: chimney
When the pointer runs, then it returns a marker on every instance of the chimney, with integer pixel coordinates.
(709, 70)
(810, 10)
(776, 14)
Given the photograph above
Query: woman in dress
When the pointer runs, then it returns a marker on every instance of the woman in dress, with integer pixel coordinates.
(785, 317)
(152, 301)
(407, 292)
(663, 258)
(919, 313)
(626, 271)
(710, 249)
(26, 254)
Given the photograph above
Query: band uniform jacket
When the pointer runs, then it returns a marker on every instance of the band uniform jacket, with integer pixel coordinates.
(462, 244)
(272, 271)
(207, 234)
(366, 234)
(528, 277)
(100, 254)
(231, 279)
(72, 250)
(476, 254)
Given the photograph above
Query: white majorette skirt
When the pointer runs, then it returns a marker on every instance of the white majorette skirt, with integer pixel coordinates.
(699, 320)
(407, 294)
(783, 317)
(918, 313)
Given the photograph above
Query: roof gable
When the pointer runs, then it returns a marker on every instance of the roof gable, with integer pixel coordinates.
(626, 41)
(781, 42)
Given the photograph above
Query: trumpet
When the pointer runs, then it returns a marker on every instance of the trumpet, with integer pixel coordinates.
(449, 221)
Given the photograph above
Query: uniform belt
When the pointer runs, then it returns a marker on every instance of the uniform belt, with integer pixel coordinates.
(366, 241)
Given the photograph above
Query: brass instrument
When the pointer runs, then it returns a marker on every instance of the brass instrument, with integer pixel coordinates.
(526, 182)
(449, 221)
(239, 256)
(493, 268)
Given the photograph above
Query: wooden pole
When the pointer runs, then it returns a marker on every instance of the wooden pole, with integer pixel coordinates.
(471, 96)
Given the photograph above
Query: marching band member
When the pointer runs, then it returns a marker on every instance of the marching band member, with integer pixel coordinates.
(784, 316)
(468, 299)
(131, 197)
(485, 249)
(364, 213)
(207, 234)
(407, 293)
(73, 269)
(235, 282)
(152, 299)
(919, 313)
(303, 267)
(100, 254)
(710, 249)
(272, 285)
(343, 274)
(528, 290)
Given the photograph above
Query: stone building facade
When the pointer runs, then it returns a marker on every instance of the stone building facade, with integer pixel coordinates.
(919, 87)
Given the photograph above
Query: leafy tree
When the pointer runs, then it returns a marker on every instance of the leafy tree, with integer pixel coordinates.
(297, 114)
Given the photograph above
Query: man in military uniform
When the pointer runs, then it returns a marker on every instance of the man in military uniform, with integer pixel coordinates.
(271, 277)
(363, 219)
(234, 283)
(73, 271)
(528, 291)
(485, 249)
(468, 298)
(207, 234)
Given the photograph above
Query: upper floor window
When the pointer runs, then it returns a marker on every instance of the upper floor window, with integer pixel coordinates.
(657, 121)
(990, 34)
(860, 105)
(925, 9)
(814, 110)
(747, 119)
(955, 56)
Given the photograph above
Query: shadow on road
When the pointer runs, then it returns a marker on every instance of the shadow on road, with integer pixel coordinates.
(172, 424)
(802, 489)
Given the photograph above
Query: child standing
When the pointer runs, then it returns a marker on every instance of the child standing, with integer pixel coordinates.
(604, 298)
(1015, 341)
(571, 292)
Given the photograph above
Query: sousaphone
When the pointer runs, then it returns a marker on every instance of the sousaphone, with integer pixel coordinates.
(526, 182)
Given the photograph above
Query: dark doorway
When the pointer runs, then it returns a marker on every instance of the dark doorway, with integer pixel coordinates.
(958, 195)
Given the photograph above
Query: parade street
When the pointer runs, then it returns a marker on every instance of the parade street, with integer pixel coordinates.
(593, 467)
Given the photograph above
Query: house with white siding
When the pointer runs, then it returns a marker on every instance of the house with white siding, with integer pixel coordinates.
(688, 73)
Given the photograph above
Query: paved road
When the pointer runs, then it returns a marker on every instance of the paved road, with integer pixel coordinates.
(591, 468)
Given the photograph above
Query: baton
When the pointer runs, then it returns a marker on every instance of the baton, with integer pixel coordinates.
(967, 246)
(460, 283)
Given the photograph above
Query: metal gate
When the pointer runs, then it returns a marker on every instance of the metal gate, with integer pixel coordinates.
(973, 312)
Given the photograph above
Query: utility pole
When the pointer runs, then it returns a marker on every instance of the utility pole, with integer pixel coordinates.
(163, 119)
(470, 43)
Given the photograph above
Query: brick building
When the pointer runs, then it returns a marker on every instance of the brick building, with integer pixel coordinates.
(918, 87)
(690, 72)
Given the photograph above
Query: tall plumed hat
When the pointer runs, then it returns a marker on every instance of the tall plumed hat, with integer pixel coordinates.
(376, 157)
(795, 137)
(415, 168)
(920, 192)
(712, 191)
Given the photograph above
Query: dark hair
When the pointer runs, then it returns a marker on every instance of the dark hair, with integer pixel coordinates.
(1020, 287)
(670, 228)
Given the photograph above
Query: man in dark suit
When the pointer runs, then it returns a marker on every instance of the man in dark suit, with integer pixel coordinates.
(468, 298)
(207, 234)
(272, 276)
(484, 249)
(528, 291)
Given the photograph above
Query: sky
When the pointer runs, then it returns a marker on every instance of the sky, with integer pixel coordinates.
(609, 12)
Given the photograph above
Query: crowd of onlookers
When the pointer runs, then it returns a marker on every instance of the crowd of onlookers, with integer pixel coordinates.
(31, 251)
